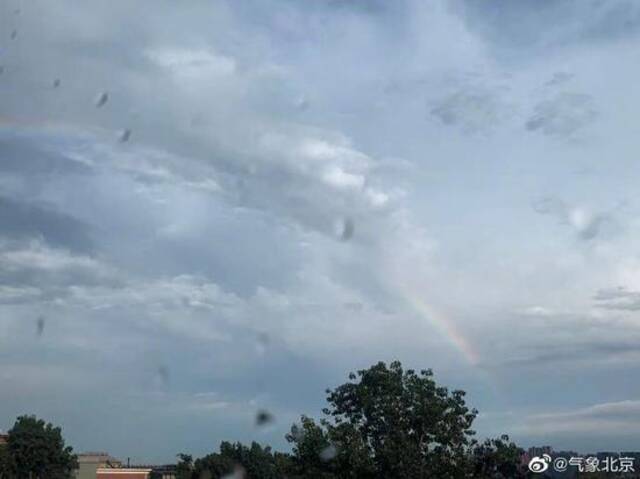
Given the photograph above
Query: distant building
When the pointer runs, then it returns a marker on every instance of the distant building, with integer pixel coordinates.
(90, 462)
(123, 473)
(4, 438)
(167, 471)
(539, 451)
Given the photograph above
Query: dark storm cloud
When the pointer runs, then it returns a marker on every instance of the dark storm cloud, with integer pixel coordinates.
(23, 157)
(25, 221)
(618, 299)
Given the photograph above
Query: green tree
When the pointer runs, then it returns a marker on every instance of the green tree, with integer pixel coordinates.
(395, 423)
(311, 443)
(385, 422)
(411, 426)
(37, 451)
(6, 466)
(497, 459)
(184, 468)
(256, 461)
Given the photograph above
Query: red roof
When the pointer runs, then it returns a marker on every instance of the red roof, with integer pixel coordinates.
(124, 473)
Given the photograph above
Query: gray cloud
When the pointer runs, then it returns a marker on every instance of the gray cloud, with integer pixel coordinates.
(536, 26)
(563, 115)
(471, 111)
(24, 221)
(619, 299)
(282, 181)
(587, 225)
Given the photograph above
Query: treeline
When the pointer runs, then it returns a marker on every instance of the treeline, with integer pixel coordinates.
(384, 422)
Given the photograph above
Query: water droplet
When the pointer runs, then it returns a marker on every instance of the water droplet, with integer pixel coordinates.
(302, 103)
(163, 374)
(262, 343)
(297, 432)
(345, 229)
(328, 453)
(102, 99)
(125, 135)
(14, 34)
(263, 418)
(238, 473)
(40, 326)
(56, 83)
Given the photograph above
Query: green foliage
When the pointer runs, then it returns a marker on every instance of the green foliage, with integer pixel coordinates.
(310, 444)
(497, 459)
(184, 468)
(383, 422)
(6, 466)
(388, 422)
(256, 461)
(409, 426)
(36, 450)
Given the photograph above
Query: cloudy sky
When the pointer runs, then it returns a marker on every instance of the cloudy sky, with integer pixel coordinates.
(211, 208)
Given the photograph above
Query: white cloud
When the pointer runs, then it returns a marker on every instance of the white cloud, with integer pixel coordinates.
(186, 64)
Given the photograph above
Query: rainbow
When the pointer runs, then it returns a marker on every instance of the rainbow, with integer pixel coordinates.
(445, 326)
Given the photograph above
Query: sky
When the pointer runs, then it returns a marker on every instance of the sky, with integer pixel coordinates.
(213, 208)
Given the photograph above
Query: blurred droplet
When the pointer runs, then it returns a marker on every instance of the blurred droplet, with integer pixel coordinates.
(14, 34)
(125, 135)
(262, 343)
(40, 326)
(302, 103)
(263, 418)
(16, 11)
(102, 99)
(163, 374)
(297, 432)
(56, 83)
(328, 453)
(238, 473)
(1, 69)
(345, 229)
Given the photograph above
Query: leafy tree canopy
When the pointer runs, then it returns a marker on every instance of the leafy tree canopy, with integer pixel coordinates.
(36, 450)
(395, 423)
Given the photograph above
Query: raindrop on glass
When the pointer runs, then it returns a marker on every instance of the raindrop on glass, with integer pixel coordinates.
(40, 326)
(328, 453)
(102, 99)
(163, 374)
(264, 418)
(125, 135)
(345, 229)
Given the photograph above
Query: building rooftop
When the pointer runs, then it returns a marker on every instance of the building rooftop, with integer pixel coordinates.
(98, 457)
(122, 473)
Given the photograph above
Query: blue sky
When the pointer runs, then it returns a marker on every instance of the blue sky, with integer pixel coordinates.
(309, 188)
